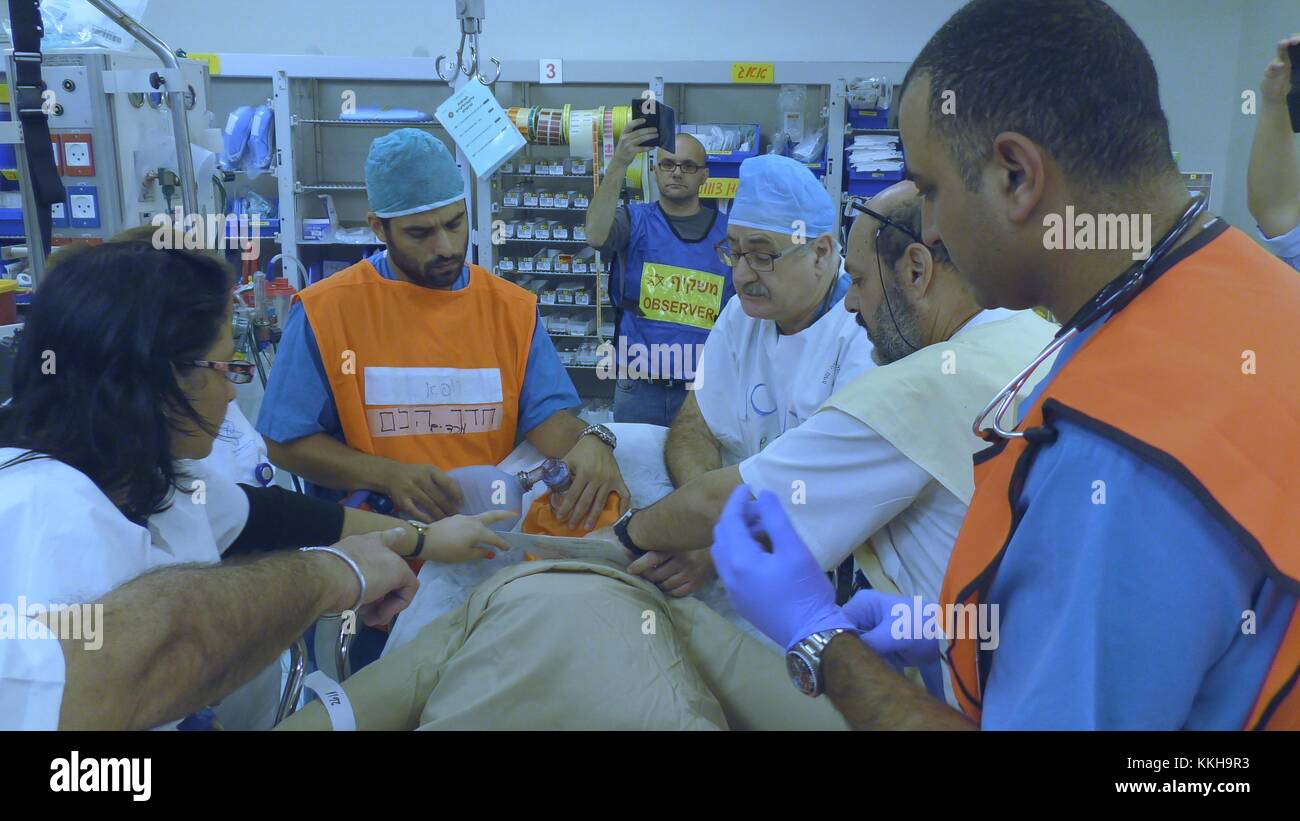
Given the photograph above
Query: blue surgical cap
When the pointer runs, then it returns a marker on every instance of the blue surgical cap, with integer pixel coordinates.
(775, 192)
(409, 171)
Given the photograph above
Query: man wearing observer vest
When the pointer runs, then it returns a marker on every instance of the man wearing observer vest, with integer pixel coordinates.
(412, 363)
(667, 283)
(1138, 541)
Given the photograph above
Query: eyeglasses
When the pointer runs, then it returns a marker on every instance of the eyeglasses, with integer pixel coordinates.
(885, 222)
(669, 167)
(760, 262)
(238, 371)
(857, 206)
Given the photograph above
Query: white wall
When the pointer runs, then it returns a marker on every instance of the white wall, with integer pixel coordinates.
(1206, 51)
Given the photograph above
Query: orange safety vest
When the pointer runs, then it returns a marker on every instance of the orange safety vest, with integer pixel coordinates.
(1199, 375)
(422, 375)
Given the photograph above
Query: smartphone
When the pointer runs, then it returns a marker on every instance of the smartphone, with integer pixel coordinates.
(1293, 99)
(660, 115)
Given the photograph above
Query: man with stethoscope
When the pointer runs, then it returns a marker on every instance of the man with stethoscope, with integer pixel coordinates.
(1133, 537)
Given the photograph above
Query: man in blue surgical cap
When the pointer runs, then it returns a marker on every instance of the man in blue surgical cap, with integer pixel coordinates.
(412, 362)
(781, 347)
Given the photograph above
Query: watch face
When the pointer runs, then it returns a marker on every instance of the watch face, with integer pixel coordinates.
(801, 673)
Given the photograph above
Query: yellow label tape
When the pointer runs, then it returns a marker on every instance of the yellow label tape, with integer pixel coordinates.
(720, 188)
(213, 61)
(680, 295)
(753, 73)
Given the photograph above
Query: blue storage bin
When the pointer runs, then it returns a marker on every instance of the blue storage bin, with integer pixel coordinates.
(727, 163)
(11, 222)
(867, 187)
(869, 117)
(891, 176)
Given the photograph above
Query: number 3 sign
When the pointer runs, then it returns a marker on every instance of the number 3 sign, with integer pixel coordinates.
(552, 70)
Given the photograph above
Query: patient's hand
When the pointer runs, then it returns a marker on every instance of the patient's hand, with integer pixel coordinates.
(677, 574)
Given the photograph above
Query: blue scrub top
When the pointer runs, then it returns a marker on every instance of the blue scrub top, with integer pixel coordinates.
(1124, 611)
(299, 402)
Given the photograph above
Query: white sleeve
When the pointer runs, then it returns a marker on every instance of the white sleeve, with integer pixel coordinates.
(31, 678)
(838, 480)
(1285, 246)
(226, 505)
(64, 541)
(715, 383)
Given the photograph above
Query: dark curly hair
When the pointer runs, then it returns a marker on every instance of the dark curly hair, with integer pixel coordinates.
(95, 379)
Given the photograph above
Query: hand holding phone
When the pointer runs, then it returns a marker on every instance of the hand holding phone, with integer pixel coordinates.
(658, 115)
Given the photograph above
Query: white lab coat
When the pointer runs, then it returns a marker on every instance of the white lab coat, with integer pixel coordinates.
(65, 542)
(756, 383)
(238, 449)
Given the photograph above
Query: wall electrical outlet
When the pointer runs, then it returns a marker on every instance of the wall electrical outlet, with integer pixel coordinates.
(83, 206)
(57, 145)
(59, 215)
(78, 155)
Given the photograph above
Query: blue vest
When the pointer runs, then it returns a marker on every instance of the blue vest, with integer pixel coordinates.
(668, 290)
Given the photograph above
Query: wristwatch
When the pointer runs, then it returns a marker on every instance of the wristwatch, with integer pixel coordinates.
(602, 433)
(804, 662)
(420, 529)
(625, 539)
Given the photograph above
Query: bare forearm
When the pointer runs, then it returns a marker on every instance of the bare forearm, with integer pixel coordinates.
(180, 638)
(684, 519)
(600, 213)
(557, 435)
(357, 521)
(871, 695)
(691, 449)
(1273, 181)
(325, 461)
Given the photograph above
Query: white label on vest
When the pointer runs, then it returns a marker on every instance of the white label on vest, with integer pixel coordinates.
(432, 386)
(423, 420)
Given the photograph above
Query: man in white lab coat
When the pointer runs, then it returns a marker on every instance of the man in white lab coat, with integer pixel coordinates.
(883, 470)
(781, 347)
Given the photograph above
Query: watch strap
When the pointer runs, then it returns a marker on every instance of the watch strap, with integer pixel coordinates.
(625, 538)
(420, 528)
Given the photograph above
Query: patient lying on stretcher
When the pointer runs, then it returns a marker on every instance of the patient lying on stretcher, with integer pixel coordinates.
(575, 645)
(565, 644)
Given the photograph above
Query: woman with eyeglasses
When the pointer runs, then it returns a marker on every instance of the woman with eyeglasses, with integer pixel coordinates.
(123, 376)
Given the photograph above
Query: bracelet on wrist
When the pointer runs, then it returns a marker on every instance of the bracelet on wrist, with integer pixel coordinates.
(361, 579)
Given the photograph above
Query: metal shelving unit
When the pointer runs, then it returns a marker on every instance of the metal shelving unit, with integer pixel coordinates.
(307, 162)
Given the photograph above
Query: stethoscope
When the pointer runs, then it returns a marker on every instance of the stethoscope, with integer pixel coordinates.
(1112, 298)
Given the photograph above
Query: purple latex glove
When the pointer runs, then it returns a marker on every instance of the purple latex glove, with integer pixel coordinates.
(781, 591)
(885, 619)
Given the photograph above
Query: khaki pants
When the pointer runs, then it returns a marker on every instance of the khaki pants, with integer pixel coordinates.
(577, 645)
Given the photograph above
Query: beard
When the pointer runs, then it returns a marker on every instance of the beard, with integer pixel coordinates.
(428, 275)
(890, 335)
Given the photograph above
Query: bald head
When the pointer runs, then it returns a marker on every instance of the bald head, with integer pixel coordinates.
(688, 148)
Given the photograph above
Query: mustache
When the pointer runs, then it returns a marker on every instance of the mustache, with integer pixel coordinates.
(753, 289)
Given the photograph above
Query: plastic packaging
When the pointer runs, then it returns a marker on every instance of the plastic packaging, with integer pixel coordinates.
(792, 101)
(77, 24)
(869, 92)
(810, 149)
(486, 488)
